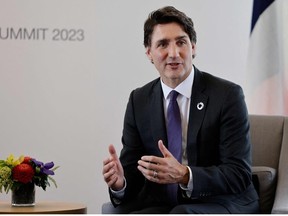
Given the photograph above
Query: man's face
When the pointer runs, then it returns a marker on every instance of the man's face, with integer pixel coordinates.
(171, 51)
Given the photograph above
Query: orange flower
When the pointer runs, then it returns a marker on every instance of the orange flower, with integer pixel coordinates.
(23, 173)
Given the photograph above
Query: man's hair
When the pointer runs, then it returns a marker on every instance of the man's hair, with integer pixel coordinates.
(166, 15)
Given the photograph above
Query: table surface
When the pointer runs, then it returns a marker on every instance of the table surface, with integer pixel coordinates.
(44, 207)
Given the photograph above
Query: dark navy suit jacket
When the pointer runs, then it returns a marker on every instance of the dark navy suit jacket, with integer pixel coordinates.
(218, 143)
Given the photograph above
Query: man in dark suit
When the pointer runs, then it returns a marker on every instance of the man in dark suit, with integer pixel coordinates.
(213, 173)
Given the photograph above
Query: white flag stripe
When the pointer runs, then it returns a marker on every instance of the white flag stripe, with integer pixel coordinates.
(267, 68)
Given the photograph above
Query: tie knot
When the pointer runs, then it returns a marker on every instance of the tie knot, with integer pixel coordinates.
(173, 95)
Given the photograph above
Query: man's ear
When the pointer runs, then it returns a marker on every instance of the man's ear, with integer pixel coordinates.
(148, 54)
(193, 50)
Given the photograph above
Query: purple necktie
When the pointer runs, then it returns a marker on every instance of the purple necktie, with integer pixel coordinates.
(174, 134)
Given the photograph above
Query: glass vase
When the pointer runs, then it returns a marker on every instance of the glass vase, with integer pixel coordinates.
(24, 195)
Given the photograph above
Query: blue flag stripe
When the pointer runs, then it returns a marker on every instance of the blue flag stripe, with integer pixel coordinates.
(258, 7)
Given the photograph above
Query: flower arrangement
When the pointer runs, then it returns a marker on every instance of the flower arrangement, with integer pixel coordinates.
(14, 172)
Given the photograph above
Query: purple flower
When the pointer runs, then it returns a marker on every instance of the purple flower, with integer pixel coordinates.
(44, 168)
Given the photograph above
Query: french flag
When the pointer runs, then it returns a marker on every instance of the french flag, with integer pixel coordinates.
(267, 65)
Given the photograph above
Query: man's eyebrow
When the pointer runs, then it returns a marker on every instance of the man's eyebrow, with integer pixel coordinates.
(162, 41)
(165, 40)
(181, 37)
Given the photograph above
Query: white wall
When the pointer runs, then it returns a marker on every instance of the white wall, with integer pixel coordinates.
(65, 100)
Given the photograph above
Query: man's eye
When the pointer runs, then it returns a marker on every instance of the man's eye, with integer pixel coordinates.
(181, 42)
(162, 45)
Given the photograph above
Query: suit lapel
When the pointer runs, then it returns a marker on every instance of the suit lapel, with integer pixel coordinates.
(198, 107)
(157, 118)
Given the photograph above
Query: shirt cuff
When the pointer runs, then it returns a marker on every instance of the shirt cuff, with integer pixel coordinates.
(189, 187)
(120, 193)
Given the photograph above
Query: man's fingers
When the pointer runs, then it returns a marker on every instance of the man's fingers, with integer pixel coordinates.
(148, 165)
(107, 165)
(165, 152)
(112, 151)
(110, 178)
(146, 172)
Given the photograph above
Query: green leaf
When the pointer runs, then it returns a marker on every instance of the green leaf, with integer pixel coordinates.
(54, 182)
(54, 168)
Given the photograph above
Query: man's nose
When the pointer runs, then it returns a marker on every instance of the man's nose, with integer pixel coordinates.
(173, 51)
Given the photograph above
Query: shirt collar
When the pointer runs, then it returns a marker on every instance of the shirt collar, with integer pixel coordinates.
(184, 88)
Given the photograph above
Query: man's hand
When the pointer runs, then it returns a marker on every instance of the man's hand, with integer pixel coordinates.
(164, 170)
(113, 171)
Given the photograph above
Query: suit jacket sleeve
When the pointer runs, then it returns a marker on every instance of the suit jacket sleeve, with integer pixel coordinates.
(144, 125)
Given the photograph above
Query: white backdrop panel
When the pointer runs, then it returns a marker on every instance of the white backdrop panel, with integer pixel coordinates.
(68, 66)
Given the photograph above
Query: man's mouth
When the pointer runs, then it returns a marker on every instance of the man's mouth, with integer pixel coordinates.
(173, 64)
